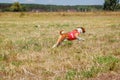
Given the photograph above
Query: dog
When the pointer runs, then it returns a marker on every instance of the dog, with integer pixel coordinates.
(73, 35)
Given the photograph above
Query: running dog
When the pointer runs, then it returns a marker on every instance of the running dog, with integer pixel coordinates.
(73, 35)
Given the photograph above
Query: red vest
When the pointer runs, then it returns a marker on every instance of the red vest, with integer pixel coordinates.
(71, 35)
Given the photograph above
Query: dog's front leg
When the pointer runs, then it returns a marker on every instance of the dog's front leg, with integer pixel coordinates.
(80, 38)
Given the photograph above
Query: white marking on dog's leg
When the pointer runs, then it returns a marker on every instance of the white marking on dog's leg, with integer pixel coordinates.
(80, 39)
(55, 45)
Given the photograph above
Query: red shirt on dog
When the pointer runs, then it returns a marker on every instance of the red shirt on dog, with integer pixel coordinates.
(71, 35)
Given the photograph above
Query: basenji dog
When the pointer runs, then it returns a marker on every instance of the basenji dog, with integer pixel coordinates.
(73, 35)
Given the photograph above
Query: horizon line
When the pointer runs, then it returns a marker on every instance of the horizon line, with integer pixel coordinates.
(54, 4)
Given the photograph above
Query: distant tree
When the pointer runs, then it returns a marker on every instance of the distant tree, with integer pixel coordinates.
(118, 8)
(111, 5)
(16, 7)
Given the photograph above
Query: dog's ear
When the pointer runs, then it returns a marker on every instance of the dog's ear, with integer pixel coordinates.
(83, 29)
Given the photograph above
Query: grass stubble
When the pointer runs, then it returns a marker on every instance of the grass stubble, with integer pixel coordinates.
(26, 40)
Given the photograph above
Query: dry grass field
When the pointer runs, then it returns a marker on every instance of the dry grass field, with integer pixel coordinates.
(26, 40)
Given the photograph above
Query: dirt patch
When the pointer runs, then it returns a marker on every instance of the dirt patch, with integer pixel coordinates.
(2, 74)
(107, 76)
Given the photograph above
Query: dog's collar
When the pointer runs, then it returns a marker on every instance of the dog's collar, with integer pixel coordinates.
(79, 30)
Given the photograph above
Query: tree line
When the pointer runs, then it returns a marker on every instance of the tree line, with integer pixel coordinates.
(16, 7)
(109, 5)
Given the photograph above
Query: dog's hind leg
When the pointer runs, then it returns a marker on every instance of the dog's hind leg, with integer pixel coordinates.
(60, 39)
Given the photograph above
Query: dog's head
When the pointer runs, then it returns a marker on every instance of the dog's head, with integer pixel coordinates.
(81, 29)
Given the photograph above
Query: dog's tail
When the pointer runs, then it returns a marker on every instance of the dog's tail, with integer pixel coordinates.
(61, 32)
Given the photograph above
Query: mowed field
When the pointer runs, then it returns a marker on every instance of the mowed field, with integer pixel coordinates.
(26, 41)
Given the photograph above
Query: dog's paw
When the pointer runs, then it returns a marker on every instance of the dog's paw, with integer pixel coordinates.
(54, 46)
(83, 39)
